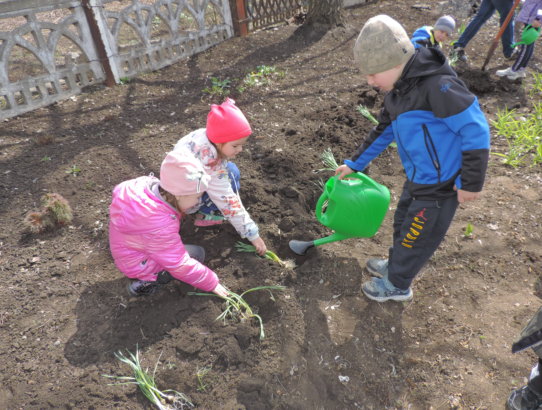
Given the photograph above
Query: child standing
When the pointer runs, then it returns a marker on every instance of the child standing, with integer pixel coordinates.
(427, 36)
(442, 138)
(145, 217)
(531, 16)
(529, 397)
(226, 133)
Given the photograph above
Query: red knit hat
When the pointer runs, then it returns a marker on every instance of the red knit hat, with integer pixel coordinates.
(226, 123)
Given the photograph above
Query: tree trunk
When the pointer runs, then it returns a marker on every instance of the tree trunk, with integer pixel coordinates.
(325, 12)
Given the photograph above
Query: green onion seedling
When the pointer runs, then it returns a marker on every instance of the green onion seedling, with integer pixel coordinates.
(363, 110)
(164, 400)
(200, 374)
(330, 164)
(238, 308)
(244, 247)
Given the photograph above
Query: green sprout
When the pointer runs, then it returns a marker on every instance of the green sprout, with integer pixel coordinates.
(164, 400)
(238, 308)
(468, 232)
(74, 170)
(45, 158)
(219, 88)
(263, 75)
(245, 247)
(200, 374)
(363, 110)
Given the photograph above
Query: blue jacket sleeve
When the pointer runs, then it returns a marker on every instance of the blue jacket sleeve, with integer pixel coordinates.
(377, 141)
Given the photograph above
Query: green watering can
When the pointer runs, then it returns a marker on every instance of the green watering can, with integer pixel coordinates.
(352, 208)
(528, 35)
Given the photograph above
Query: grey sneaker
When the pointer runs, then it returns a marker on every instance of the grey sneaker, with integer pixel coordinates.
(382, 290)
(142, 288)
(377, 267)
(524, 398)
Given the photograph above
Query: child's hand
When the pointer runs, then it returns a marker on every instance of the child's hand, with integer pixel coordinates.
(259, 244)
(221, 290)
(343, 171)
(465, 196)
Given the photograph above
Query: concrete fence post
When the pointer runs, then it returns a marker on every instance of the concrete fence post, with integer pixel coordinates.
(101, 49)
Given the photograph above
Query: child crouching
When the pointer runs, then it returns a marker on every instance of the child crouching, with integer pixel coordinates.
(145, 216)
(227, 131)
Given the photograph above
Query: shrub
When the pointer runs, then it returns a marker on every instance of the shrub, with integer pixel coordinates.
(55, 212)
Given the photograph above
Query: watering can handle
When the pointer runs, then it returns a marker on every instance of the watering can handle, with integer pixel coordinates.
(365, 178)
(320, 203)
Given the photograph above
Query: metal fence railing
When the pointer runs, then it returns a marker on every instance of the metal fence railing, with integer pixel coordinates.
(51, 49)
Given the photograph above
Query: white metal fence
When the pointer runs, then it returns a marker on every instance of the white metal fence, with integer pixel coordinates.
(51, 49)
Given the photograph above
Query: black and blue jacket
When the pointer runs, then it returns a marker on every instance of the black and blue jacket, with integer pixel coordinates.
(441, 133)
(424, 37)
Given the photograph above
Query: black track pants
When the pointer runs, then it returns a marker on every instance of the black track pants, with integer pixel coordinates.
(418, 229)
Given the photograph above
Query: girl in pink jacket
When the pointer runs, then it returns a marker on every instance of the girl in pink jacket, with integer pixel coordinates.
(226, 133)
(145, 217)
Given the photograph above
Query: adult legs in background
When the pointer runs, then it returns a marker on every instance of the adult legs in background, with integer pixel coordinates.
(485, 11)
(507, 39)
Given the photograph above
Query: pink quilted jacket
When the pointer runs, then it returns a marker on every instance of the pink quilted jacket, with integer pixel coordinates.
(144, 236)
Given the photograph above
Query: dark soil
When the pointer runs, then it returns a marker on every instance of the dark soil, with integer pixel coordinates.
(64, 309)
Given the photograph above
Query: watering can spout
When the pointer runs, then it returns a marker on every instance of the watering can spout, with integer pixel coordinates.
(331, 238)
(301, 247)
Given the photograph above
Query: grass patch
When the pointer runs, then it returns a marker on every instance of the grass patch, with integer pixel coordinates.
(523, 135)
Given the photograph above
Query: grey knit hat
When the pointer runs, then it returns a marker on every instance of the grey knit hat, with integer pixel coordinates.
(382, 45)
(446, 24)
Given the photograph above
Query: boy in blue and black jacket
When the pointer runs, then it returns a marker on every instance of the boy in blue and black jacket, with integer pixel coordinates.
(433, 37)
(442, 138)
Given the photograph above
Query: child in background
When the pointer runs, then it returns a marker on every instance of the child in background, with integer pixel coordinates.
(226, 133)
(529, 397)
(531, 16)
(442, 139)
(145, 217)
(428, 36)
